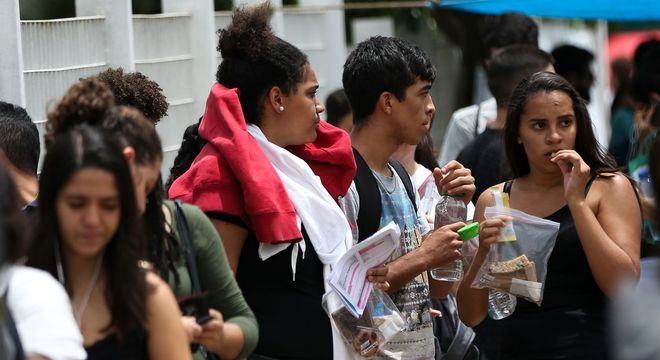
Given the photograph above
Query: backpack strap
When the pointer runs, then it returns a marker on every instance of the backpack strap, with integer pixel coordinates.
(368, 218)
(405, 178)
(184, 235)
(370, 209)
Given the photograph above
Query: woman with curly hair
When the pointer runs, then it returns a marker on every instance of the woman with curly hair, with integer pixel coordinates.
(269, 176)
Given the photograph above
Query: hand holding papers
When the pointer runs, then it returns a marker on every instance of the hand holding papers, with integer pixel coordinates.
(349, 275)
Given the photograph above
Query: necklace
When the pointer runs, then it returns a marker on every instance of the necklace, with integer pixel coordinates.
(382, 184)
(80, 310)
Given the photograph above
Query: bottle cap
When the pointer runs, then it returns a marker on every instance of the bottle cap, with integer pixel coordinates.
(468, 232)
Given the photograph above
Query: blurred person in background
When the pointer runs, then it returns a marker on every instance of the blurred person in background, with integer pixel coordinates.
(19, 142)
(484, 155)
(496, 32)
(338, 110)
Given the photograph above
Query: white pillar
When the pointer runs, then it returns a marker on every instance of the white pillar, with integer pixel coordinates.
(12, 84)
(203, 43)
(120, 49)
(604, 130)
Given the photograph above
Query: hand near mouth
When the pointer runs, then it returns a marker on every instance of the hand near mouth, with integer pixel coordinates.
(575, 171)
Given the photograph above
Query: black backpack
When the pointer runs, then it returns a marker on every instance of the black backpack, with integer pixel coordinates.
(454, 340)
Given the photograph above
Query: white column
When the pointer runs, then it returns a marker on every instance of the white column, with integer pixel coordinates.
(603, 128)
(120, 49)
(203, 43)
(12, 84)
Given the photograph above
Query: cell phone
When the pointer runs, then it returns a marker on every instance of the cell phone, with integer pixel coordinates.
(197, 306)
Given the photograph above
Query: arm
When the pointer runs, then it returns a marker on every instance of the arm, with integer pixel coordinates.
(167, 338)
(233, 332)
(472, 303)
(440, 247)
(233, 237)
(610, 235)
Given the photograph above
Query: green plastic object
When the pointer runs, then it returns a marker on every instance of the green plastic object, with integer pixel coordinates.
(468, 232)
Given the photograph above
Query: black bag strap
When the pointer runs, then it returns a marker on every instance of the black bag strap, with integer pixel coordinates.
(184, 235)
(476, 120)
(370, 209)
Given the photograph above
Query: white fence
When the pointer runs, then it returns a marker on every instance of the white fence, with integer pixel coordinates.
(165, 47)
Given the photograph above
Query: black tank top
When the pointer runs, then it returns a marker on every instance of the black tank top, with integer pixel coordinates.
(132, 347)
(569, 324)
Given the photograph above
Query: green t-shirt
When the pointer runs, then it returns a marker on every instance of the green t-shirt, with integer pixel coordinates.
(215, 275)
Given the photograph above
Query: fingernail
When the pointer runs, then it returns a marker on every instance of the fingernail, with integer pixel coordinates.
(444, 171)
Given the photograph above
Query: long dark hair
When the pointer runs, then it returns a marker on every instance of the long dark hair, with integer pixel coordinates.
(254, 61)
(90, 101)
(591, 151)
(84, 147)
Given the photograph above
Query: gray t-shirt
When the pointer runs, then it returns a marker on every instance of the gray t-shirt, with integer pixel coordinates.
(413, 300)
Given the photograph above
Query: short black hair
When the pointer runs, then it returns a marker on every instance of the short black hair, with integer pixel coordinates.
(646, 76)
(497, 31)
(382, 64)
(19, 138)
(571, 59)
(337, 106)
(511, 65)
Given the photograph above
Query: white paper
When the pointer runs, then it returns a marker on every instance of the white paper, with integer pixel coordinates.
(349, 275)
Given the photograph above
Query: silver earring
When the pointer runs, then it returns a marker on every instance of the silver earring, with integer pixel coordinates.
(281, 108)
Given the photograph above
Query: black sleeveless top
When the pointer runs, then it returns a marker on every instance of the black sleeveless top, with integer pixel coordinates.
(292, 322)
(570, 322)
(131, 347)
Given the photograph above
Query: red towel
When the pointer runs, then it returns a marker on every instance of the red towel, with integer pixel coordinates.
(232, 175)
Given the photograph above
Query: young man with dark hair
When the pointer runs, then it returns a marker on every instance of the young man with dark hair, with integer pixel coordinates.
(485, 154)
(20, 149)
(496, 32)
(387, 81)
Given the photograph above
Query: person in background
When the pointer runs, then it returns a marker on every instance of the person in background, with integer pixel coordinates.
(338, 110)
(484, 155)
(497, 31)
(88, 237)
(37, 304)
(562, 174)
(574, 64)
(232, 330)
(19, 142)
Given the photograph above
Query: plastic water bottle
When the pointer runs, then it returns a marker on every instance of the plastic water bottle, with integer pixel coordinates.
(500, 304)
(449, 210)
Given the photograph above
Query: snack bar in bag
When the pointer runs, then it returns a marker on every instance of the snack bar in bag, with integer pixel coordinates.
(519, 266)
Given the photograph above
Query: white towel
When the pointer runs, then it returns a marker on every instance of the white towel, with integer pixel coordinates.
(325, 223)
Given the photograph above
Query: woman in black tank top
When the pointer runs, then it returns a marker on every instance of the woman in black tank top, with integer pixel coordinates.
(562, 174)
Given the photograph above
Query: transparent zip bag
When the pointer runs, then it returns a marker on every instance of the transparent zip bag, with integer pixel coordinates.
(518, 262)
(367, 334)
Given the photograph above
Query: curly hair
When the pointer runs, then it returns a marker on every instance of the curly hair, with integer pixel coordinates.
(136, 90)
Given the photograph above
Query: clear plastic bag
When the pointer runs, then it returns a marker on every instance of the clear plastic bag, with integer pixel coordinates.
(366, 335)
(519, 266)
